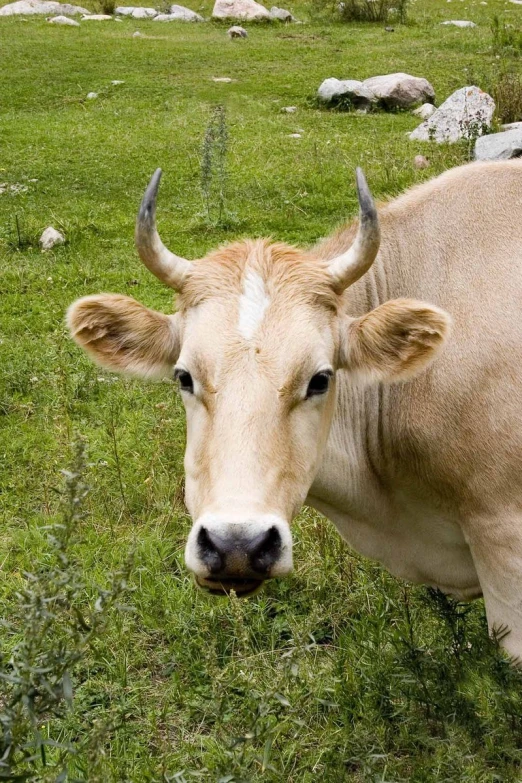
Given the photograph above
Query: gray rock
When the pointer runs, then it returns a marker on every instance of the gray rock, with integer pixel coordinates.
(91, 96)
(63, 20)
(400, 90)
(459, 23)
(237, 32)
(289, 109)
(425, 111)
(124, 10)
(50, 238)
(179, 13)
(144, 13)
(512, 125)
(353, 92)
(137, 34)
(282, 14)
(420, 162)
(464, 115)
(31, 7)
(500, 146)
(245, 10)
(97, 18)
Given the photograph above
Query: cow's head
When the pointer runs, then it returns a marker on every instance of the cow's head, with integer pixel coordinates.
(260, 333)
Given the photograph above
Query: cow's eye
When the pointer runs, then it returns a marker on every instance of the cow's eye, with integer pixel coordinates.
(185, 380)
(319, 384)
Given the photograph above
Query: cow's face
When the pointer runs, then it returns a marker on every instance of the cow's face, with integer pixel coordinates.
(258, 338)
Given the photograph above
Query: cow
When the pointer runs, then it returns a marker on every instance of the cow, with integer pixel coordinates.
(378, 381)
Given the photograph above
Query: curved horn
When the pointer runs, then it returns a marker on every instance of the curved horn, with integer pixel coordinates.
(167, 267)
(351, 265)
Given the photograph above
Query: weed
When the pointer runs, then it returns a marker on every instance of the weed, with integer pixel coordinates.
(507, 93)
(373, 10)
(214, 166)
(507, 39)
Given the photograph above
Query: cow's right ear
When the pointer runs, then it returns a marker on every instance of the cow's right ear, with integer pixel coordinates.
(123, 335)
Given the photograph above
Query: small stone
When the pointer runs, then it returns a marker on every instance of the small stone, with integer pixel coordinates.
(137, 34)
(294, 135)
(63, 20)
(50, 238)
(282, 14)
(15, 189)
(91, 96)
(237, 32)
(389, 29)
(222, 79)
(425, 111)
(420, 162)
(115, 82)
(289, 109)
(459, 23)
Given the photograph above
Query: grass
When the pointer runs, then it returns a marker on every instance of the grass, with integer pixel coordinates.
(339, 673)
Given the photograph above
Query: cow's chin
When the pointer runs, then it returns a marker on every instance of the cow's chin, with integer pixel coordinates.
(241, 587)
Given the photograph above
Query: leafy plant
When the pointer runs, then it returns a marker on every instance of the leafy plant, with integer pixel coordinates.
(214, 166)
(507, 39)
(373, 10)
(507, 93)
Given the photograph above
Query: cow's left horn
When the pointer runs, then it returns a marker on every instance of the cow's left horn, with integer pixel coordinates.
(169, 268)
(350, 266)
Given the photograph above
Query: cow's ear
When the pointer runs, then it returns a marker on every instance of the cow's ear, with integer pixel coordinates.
(395, 341)
(123, 335)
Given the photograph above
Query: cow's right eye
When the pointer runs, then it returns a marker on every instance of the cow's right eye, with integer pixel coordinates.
(185, 381)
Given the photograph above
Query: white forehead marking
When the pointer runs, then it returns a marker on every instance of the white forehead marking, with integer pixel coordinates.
(252, 304)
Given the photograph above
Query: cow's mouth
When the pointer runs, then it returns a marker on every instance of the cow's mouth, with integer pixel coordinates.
(241, 587)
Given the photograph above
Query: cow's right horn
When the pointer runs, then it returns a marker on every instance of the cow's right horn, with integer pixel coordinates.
(169, 268)
(351, 265)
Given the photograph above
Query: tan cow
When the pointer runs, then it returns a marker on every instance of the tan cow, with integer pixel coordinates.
(296, 383)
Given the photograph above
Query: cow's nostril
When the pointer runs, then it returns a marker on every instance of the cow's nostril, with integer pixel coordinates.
(211, 551)
(265, 550)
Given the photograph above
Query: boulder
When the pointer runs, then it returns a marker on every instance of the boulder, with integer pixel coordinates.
(334, 91)
(400, 90)
(500, 146)
(245, 10)
(512, 125)
(178, 13)
(144, 13)
(237, 32)
(30, 7)
(124, 10)
(459, 23)
(50, 238)
(63, 20)
(464, 115)
(425, 111)
(282, 14)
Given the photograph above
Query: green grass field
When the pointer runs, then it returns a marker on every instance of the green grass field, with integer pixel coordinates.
(340, 672)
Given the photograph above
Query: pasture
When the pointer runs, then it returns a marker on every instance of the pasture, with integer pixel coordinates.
(339, 672)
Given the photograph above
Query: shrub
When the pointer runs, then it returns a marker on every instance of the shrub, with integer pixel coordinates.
(372, 10)
(507, 39)
(107, 6)
(507, 93)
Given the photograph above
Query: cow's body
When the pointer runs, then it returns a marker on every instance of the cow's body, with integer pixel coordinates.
(424, 475)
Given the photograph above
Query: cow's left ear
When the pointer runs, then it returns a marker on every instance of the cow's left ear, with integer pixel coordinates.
(123, 335)
(395, 341)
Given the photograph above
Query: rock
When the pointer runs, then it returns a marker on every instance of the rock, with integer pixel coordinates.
(512, 126)
(50, 238)
(463, 115)
(124, 10)
(459, 23)
(144, 13)
(245, 10)
(116, 82)
(14, 189)
(63, 20)
(179, 13)
(389, 29)
(97, 18)
(91, 96)
(400, 90)
(334, 91)
(500, 146)
(425, 111)
(516, 2)
(289, 109)
(420, 162)
(294, 135)
(237, 32)
(137, 34)
(282, 14)
(30, 7)
(222, 79)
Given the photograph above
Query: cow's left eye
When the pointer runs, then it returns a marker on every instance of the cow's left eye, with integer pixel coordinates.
(319, 384)
(185, 380)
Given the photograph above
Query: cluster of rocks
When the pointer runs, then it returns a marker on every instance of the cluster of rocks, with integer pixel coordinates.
(391, 91)
(240, 10)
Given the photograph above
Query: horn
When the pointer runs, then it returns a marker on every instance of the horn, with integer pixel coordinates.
(351, 265)
(169, 268)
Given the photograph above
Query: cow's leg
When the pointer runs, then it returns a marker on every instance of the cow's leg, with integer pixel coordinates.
(496, 546)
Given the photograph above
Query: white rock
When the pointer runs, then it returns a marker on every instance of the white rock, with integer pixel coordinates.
(124, 10)
(30, 7)
(294, 135)
(245, 10)
(97, 18)
(144, 13)
(289, 109)
(512, 126)
(282, 14)
(222, 79)
(116, 82)
(237, 32)
(463, 115)
(400, 90)
(420, 162)
(516, 2)
(137, 34)
(63, 20)
(459, 23)
(91, 96)
(353, 92)
(500, 146)
(425, 111)
(50, 238)
(179, 13)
